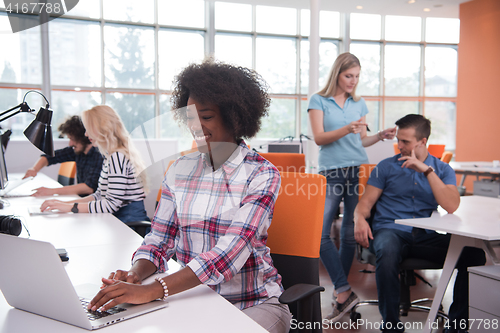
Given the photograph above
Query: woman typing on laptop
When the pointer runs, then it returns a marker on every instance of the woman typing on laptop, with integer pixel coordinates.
(216, 204)
(122, 167)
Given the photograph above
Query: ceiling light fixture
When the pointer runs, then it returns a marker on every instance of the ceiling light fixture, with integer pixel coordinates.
(412, 1)
(359, 7)
(427, 10)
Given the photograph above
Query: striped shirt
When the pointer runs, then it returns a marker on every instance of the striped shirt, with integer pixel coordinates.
(118, 185)
(216, 223)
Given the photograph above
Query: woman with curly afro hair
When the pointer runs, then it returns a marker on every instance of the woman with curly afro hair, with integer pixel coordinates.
(216, 204)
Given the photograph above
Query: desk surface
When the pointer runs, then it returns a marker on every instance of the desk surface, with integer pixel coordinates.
(477, 217)
(475, 167)
(98, 244)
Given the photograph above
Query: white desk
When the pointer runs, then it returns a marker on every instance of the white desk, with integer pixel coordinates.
(475, 223)
(475, 168)
(98, 244)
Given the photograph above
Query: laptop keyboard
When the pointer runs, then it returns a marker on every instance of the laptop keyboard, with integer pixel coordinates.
(94, 315)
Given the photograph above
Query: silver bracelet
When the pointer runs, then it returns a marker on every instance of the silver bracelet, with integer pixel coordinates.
(164, 286)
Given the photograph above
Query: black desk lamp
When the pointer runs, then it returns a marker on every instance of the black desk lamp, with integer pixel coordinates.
(39, 132)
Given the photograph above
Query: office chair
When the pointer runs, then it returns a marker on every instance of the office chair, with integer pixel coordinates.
(288, 162)
(396, 149)
(407, 275)
(436, 150)
(67, 173)
(447, 155)
(294, 239)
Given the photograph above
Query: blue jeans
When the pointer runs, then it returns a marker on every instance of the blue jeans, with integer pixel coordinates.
(341, 184)
(132, 212)
(391, 246)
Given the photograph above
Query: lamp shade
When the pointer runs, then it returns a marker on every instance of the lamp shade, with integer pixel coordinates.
(39, 132)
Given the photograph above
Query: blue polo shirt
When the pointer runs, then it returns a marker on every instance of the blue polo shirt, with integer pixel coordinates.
(348, 150)
(406, 192)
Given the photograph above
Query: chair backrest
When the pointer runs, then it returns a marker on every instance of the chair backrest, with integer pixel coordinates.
(298, 215)
(67, 173)
(364, 173)
(158, 196)
(396, 149)
(287, 162)
(436, 150)
(447, 155)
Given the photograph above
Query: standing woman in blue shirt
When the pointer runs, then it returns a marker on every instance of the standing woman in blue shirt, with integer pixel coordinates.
(338, 122)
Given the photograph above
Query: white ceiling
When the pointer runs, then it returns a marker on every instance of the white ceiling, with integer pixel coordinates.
(438, 8)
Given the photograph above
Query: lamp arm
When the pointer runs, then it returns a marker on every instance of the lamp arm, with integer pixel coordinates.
(15, 107)
(8, 116)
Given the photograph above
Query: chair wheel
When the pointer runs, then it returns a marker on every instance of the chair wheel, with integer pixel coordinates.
(355, 316)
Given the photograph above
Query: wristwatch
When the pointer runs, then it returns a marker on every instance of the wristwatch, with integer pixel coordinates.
(75, 207)
(428, 171)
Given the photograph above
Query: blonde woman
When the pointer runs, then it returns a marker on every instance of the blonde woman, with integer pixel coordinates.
(338, 122)
(121, 183)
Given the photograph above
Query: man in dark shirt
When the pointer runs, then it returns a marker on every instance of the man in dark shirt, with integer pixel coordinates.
(88, 161)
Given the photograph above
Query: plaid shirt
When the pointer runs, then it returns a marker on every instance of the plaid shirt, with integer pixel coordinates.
(216, 223)
(88, 166)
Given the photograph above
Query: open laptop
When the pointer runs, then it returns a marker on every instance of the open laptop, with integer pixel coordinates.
(50, 293)
(9, 191)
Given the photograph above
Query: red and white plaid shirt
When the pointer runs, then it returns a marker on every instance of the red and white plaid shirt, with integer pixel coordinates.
(216, 223)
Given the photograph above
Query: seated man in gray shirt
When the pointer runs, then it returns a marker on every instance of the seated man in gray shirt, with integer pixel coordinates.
(88, 161)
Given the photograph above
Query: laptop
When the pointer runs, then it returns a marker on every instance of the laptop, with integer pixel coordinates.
(50, 293)
(9, 192)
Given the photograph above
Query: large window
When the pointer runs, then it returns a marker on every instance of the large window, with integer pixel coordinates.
(126, 54)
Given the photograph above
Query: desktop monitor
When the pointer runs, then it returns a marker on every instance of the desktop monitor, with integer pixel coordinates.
(3, 169)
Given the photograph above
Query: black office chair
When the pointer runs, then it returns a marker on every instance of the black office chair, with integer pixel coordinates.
(141, 227)
(407, 278)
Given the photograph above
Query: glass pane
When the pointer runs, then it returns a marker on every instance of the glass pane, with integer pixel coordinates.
(276, 62)
(233, 16)
(403, 28)
(75, 53)
(129, 10)
(395, 110)
(170, 129)
(372, 118)
(18, 123)
(87, 8)
(23, 61)
(441, 71)
(268, 18)
(129, 56)
(235, 49)
(328, 52)
(134, 109)
(443, 123)
(369, 78)
(173, 59)
(366, 26)
(304, 116)
(281, 120)
(402, 70)
(68, 103)
(329, 23)
(185, 13)
(442, 30)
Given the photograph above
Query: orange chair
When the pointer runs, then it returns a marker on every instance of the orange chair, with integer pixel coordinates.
(436, 150)
(447, 155)
(294, 239)
(364, 173)
(67, 173)
(396, 149)
(288, 162)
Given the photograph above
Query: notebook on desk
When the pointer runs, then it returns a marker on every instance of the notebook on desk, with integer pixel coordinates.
(10, 190)
(48, 291)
